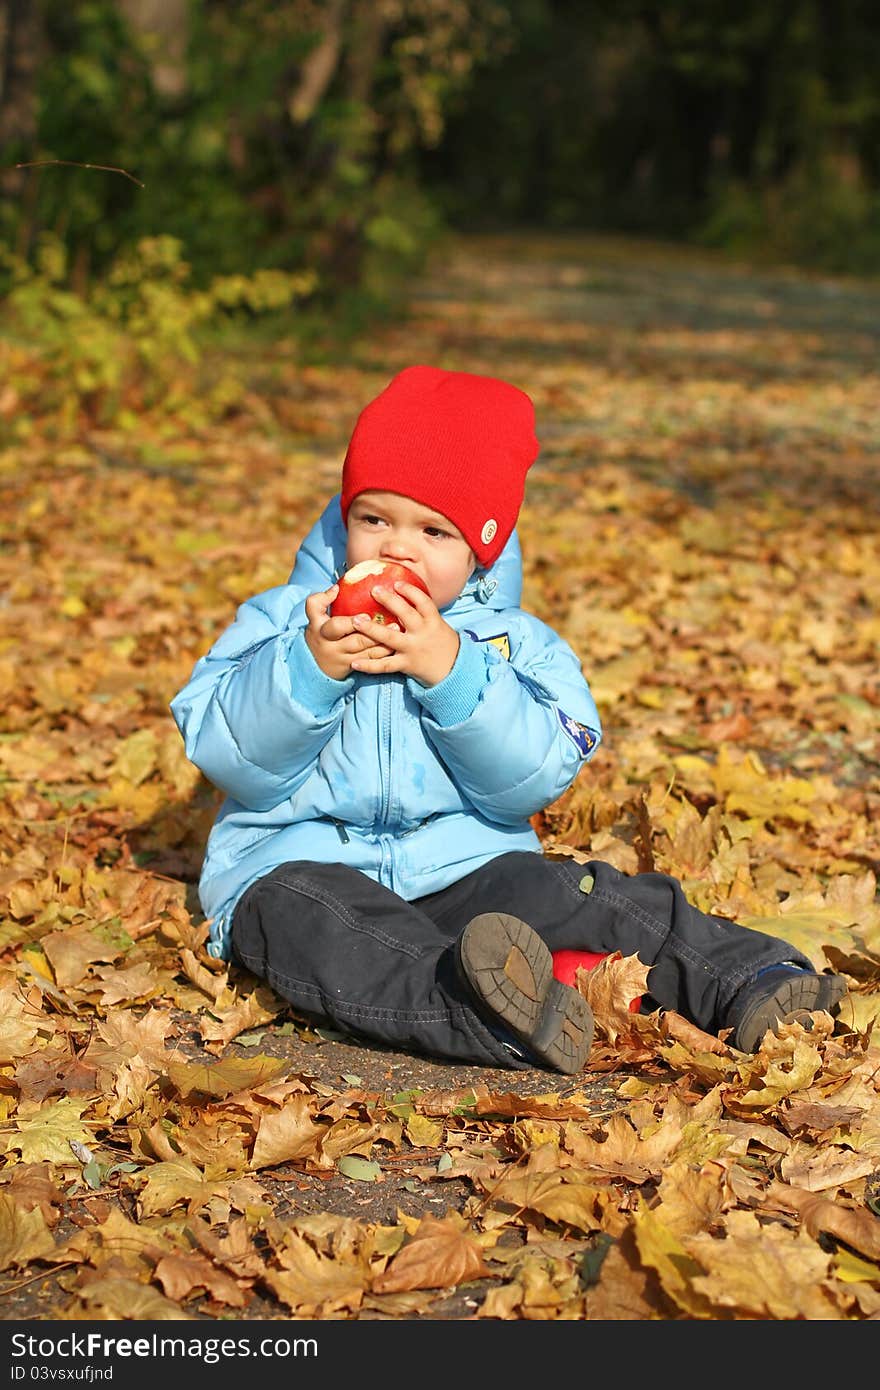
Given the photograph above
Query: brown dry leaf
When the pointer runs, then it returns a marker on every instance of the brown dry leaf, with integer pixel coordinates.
(440, 1254)
(224, 1078)
(734, 728)
(625, 1153)
(116, 1298)
(210, 984)
(182, 1275)
(20, 1025)
(504, 1303)
(691, 1199)
(287, 1134)
(353, 1136)
(661, 1249)
(763, 1271)
(130, 1085)
(832, 1166)
(787, 1065)
(235, 1250)
(818, 1118)
(611, 849)
(217, 1144)
(173, 1183)
(146, 1034)
(689, 1035)
(858, 1228)
(564, 1196)
(133, 984)
(609, 988)
(115, 1238)
(56, 1071)
(314, 1286)
(24, 1234)
(70, 953)
(624, 1292)
(31, 1185)
(220, 1026)
(509, 1105)
(539, 1293)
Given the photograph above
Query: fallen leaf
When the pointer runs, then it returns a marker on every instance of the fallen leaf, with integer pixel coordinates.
(24, 1235)
(440, 1254)
(182, 1275)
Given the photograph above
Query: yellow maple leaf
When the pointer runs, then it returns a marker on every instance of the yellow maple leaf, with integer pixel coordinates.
(223, 1078)
(763, 1270)
(45, 1131)
(24, 1234)
(173, 1183)
(312, 1284)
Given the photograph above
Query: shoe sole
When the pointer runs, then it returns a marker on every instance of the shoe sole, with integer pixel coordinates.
(795, 1000)
(510, 969)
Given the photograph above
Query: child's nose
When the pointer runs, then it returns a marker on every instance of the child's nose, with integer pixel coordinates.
(398, 548)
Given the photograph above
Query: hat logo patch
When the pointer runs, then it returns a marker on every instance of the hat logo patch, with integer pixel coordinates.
(489, 531)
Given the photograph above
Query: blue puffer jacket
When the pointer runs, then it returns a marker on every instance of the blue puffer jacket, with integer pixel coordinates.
(414, 786)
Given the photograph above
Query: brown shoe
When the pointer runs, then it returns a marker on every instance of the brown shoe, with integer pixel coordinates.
(510, 971)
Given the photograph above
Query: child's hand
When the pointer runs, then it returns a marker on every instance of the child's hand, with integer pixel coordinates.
(427, 647)
(335, 642)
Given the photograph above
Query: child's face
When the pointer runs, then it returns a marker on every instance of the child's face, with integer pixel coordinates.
(387, 526)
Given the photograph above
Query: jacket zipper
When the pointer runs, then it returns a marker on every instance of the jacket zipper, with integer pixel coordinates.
(385, 807)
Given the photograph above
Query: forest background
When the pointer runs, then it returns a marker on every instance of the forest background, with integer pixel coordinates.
(222, 227)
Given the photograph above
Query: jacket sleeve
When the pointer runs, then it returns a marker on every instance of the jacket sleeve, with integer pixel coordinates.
(257, 710)
(514, 733)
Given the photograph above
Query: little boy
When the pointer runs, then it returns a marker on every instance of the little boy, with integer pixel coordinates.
(374, 859)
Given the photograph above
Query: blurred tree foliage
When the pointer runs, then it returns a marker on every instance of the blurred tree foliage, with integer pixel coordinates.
(338, 137)
(753, 125)
(264, 134)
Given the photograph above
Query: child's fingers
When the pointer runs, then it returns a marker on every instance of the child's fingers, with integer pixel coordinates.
(415, 597)
(378, 662)
(396, 603)
(317, 604)
(388, 634)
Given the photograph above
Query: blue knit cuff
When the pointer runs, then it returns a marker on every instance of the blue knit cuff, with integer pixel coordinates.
(314, 690)
(455, 698)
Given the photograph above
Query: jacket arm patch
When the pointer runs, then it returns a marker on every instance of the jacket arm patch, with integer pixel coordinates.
(584, 739)
(500, 641)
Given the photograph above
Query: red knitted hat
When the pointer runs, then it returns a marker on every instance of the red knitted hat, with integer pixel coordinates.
(459, 443)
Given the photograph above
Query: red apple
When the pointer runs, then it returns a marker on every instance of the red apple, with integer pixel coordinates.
(355, 587)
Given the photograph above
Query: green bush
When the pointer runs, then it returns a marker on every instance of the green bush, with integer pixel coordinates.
(815, 217)
(132, 341)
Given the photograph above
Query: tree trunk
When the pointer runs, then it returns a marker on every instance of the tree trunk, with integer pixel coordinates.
(319, 67)
(165, 24)
(369, 29)
(21, 32)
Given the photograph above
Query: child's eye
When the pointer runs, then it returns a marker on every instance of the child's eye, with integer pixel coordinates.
(435, 531)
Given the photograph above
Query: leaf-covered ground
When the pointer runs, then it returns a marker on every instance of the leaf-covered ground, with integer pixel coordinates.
(702, 527)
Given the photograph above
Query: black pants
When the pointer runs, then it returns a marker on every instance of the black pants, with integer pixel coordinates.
(343, 949)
